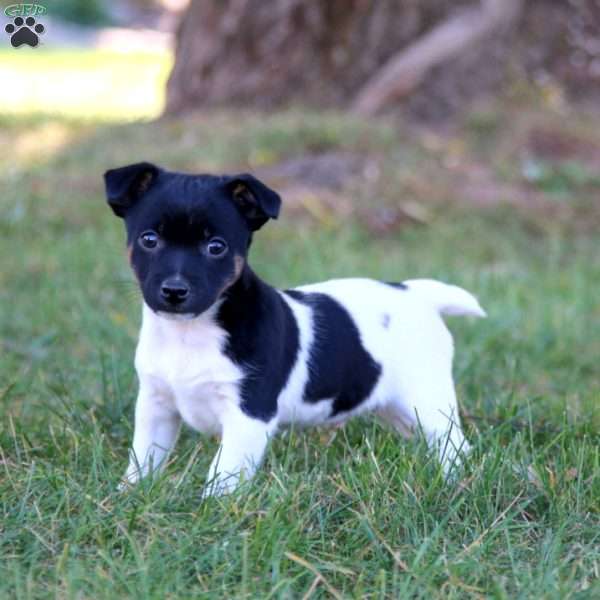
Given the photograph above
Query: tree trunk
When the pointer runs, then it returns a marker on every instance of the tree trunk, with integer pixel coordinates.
(405, 71)
(264, 54)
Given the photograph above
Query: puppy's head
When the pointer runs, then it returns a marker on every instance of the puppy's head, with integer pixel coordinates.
(188, 235)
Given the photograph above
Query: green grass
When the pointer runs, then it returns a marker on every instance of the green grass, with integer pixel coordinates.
(351, 513)
(88, 84)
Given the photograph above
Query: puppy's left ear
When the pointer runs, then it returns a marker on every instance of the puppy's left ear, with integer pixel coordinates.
(257, 202)
(125, 185)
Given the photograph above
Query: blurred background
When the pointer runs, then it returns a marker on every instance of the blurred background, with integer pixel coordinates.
(496, 102)
(458, 140)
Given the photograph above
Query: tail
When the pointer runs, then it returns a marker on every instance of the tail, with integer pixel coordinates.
(447, 299)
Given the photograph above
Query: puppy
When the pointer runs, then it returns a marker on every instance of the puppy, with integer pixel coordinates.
(225, 352)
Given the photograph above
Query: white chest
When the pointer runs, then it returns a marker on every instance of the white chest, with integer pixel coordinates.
(185, 360)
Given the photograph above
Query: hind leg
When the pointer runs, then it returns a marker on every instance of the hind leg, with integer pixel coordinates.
(429, 403)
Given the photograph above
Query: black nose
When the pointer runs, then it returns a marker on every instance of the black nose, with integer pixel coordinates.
(174, 291)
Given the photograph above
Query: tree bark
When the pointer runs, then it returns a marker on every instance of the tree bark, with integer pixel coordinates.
(404, 71)
(266, 54)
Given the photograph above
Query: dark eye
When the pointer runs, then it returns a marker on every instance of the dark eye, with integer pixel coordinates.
(216, 247)
(149, 240)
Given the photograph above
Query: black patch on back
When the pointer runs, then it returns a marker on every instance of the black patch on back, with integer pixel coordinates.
(263, 341)
(339, 366)
(398, 285)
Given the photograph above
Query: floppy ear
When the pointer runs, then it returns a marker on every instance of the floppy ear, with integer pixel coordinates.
(257, 202)
(126, 184)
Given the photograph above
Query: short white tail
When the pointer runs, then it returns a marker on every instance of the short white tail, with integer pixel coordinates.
(447, 299)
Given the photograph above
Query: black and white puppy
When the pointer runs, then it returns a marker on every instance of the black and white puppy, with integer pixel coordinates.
(225, 352)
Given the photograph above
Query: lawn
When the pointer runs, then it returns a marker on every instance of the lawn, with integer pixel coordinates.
(89, 84)
(349, 513)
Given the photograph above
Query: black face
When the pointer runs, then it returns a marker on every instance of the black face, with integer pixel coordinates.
(188, 235)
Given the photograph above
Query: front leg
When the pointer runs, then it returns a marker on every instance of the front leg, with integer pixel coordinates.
(243, 443)
(157, 424)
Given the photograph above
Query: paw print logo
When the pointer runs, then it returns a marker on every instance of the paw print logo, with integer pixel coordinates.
(24, 32)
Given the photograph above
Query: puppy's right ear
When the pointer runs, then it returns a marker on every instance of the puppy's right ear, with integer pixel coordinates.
(125, 185)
